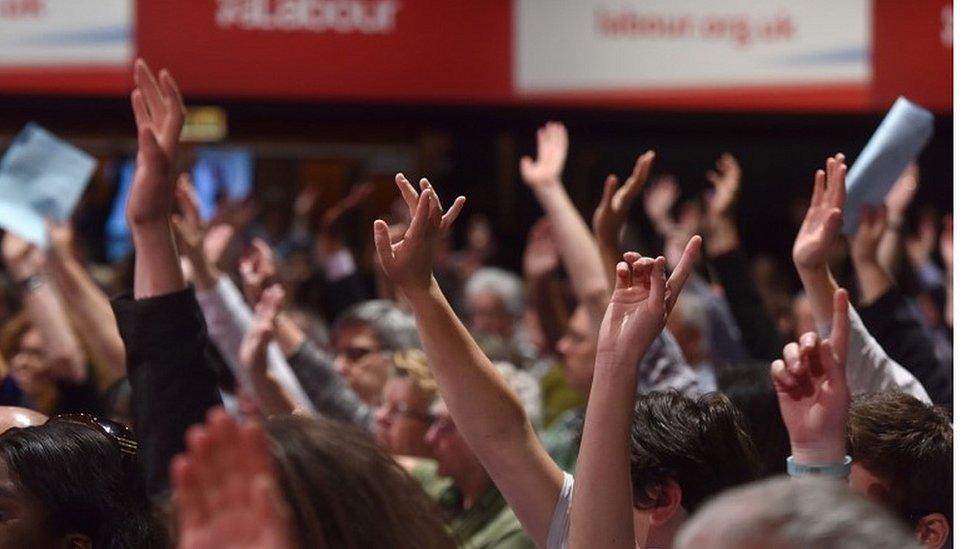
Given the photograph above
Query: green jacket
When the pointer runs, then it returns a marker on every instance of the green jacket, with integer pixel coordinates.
(488, 524)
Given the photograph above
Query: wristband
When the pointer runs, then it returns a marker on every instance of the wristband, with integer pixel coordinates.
(835, 470)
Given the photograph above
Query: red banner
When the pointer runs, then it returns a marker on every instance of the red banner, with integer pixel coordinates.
(450, 52)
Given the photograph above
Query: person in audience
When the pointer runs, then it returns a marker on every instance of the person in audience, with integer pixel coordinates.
(902, 456)
(785, 513)
(74, 481)
(404, 417)
(301, 482)
(488, 415)
(494, 301)
(363, 340)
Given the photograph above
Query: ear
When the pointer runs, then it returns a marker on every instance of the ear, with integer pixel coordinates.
(77, 541)
(932, 530)
(667, 502)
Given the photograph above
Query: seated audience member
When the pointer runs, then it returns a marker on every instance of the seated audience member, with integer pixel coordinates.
(74, 482)
(783, 513)
(900, 448)
(363, 338)
(689, 321)
(496, 428)
(404, 417)
(494, 301)
(479, 516)
(902, 457)
(14, 416)
(305, 483)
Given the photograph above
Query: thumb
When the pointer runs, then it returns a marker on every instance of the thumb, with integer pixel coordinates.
(384, 247)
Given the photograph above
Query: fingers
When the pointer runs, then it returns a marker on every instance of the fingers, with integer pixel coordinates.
(836, 189)
(139, 109)
(408, 193)
(819, 188)
(384, 248)
(683, 269)
(657, 282)
(643, 272)
(147, 84)
(637, 179)
(453, 213)
(781, 378)
(191, 506)
(425, 184)
(840, 328)
(791, 356)
(609, 189)
(186, 199)
(623, 275)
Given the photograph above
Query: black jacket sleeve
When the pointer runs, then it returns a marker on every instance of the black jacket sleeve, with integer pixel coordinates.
(759, 333)
(173, 384)
(899, 329)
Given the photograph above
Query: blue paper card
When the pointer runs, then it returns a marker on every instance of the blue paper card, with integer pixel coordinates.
(40, 176)
(902, 135)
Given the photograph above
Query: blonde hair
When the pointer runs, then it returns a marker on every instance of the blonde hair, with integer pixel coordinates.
(412, 364)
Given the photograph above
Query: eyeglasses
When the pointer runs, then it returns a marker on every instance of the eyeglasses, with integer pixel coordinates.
(354, 354)
(120, 435)
(401, 409)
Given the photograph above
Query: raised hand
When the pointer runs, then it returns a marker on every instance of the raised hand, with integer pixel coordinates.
(552, 146)
(541, 256)
(811, 386)
(253, 354)
(641, 302)
(159, 113)
(225, 492)
(726, 179)
(409, 263)
(21, 258)
(190, 228)
(919, 248)
(822, 223)
(659, 198)
(902, 193)
(257, 269)
(612, 211)
(867, 238)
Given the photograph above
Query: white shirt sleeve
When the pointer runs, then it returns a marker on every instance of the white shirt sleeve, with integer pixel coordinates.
(559, 525)
(228, 318)
(869, 368)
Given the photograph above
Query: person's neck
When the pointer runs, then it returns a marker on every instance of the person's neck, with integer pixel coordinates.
(657, 535)
(473, 483)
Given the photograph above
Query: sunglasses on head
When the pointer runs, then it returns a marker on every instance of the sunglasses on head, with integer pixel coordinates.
(119, 434)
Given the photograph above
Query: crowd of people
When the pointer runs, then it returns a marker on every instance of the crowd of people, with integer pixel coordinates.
(296, 393)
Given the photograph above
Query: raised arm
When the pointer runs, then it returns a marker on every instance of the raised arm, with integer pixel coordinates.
(811, 386)
(487, 414)
(577, 246)
(43, 303)
(869, 368)
(602, 510)
(891, 249)
(88, 307)
(173, 383)
(271, 397)
(540, 262)
(872, 278)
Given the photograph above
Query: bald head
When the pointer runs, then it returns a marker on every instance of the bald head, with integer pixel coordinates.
(14, 416)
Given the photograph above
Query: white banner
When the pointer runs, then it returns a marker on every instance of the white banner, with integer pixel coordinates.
(46, 33)
(608, 45)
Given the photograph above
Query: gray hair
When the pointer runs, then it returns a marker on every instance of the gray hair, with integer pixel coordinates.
(504, 284)
(395, 329)
(794, 513)
(695, 313)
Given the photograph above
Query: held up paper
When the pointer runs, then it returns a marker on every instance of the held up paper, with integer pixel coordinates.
(902, 135)
(40, 176)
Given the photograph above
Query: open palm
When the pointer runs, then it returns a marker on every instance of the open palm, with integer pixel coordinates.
(642, 300)
(552, 146)
(821, 226)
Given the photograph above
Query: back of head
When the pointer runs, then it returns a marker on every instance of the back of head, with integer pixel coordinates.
(394, 328)
(701, 444)
(749, 387)
(345, 492)
(507, 286)
(793, 513)
(83, 483)
(908, 445)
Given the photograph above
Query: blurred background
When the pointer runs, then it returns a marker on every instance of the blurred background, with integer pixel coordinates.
(287, 95)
